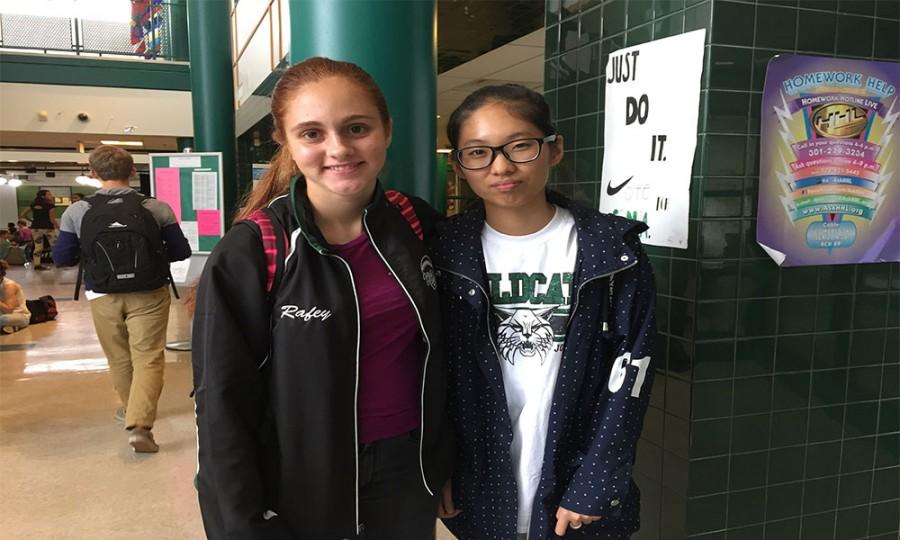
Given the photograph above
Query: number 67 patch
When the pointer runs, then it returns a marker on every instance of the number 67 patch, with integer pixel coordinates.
(619, 371)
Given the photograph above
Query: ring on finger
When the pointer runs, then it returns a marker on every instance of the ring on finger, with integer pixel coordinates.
(575, 524)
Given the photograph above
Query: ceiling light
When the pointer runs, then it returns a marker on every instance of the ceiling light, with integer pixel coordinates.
(123, 143)
(15, 182)
(444, 150)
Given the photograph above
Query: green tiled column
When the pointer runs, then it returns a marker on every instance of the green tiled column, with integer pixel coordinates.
(776, 409)
(396, 43)
(212, 89)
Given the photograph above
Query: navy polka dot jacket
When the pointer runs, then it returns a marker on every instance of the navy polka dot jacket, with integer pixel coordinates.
(601, 393)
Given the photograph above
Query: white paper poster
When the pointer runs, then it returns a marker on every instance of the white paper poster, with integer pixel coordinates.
(650, 134)
(185, 162)
(180, 270)
(205, 190)
(192, 234)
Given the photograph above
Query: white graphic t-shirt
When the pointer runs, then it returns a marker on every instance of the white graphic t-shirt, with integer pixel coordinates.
(530, 282)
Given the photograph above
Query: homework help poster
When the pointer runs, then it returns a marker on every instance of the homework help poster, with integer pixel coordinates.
(828, 186)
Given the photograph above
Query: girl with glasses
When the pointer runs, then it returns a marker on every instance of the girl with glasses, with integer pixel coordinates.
(548, 310)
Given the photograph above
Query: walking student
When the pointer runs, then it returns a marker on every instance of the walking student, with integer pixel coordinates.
(43, 225)
(548, 310)
(318, 368)
(124, 242)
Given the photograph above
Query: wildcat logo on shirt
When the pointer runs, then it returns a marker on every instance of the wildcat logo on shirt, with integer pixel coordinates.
(532, 310)
(524, 332)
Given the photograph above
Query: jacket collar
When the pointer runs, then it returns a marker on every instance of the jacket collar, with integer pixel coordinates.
(301, 209)
(605, 244)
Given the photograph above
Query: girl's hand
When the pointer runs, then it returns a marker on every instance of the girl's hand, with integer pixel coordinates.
(446, 509)
(566, 519)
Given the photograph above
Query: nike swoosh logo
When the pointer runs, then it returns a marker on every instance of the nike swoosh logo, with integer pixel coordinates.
(610, 190)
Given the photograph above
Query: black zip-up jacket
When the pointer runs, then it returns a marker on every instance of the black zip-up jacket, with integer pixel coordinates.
(276, 379)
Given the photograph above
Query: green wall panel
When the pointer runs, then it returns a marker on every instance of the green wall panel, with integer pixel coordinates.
(790, 376)
(80, 71)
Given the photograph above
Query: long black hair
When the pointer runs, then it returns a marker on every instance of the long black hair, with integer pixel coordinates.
(520, 101)
(40, 196)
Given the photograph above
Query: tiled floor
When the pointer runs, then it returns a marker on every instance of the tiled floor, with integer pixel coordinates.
(66, 470)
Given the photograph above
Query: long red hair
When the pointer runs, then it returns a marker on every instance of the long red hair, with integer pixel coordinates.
(277, 177)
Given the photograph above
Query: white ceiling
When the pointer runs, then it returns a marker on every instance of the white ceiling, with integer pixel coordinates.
(520, 61)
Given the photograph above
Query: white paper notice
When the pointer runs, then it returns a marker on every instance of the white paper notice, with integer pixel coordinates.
(179, 270)
(189, 228)
(205, 189)
(185, 162)
(652, 101)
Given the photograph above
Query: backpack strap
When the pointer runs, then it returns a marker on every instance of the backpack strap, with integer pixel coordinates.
(403, 204)
(79, 278)
(273, 249)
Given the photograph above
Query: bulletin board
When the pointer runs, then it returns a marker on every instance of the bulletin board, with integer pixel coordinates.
(191, 183)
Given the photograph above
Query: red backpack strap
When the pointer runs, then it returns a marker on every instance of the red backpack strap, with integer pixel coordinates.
(402, 203)
(270, 244)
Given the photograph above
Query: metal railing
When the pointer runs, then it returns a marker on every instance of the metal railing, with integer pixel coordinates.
(166, 38)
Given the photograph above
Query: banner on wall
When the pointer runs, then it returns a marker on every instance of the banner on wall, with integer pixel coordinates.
(650, 134)
(828, 161)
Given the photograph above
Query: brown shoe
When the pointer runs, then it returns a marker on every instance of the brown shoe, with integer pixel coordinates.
(141, 440)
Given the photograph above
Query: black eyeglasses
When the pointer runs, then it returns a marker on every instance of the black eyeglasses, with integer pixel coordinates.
(518, 151)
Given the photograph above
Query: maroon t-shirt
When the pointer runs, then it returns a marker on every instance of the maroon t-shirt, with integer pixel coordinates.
(388, 395)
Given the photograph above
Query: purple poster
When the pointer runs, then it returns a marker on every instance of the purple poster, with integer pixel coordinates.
(828, 161)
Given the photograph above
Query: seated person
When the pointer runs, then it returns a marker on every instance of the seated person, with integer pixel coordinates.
(23, 235)
(25, 238)
(5, 244)
(14, 314)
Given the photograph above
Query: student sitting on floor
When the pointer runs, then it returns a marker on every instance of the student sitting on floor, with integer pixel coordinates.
(14, 314)
(5, 244)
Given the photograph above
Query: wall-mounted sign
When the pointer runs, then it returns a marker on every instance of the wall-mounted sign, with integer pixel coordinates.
(650, 134)
(191, 183)
(828, 161)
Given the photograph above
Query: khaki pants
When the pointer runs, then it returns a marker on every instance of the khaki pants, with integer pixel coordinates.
(132, 331)
(43, 241)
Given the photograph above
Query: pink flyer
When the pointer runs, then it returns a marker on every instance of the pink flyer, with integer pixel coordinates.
(168, 189)
(209, 223)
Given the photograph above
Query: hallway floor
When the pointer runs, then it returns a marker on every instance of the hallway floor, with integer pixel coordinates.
(66, 469)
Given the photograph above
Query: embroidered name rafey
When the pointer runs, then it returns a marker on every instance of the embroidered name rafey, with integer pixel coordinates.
(294, 312)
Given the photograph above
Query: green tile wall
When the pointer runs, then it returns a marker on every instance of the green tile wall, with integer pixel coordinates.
(776, 409)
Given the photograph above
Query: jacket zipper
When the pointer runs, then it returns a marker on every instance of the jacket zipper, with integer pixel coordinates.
(488, 311)
(355, 392)
(427, 352)
(580, 287)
